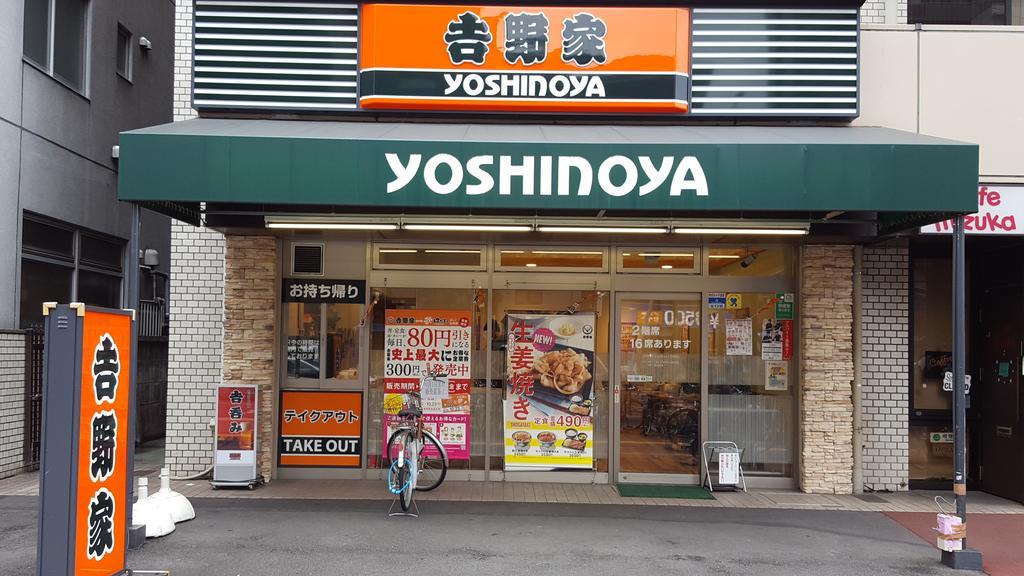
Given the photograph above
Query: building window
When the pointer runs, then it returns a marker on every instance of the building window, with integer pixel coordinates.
(551, 258)
(124, 52)
(423, 257)
(60, 263)
(676, 260)
(56, 39)
(979, 12)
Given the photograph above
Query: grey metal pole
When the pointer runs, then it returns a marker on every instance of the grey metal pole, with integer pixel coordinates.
(131, 300)
(959, 370)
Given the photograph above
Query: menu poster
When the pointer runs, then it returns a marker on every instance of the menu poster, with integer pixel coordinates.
(425, 351)
(776, 375)
(549, 391)
(771, 340)
(739, 337)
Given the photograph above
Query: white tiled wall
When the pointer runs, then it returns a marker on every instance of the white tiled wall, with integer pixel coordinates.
(12, 402)
(884, 342)
(196, 303)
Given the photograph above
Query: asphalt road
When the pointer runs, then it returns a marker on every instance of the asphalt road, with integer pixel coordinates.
(256, 537)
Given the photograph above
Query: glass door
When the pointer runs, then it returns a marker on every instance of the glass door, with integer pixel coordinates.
(659, 381)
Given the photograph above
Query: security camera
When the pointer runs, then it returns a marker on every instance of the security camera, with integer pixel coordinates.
(747, 261)
(144, 43)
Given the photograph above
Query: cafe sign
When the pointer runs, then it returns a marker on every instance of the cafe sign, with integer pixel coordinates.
(1000, 213)
(536, 59)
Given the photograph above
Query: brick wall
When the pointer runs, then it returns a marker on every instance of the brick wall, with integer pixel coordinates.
(194, 346)
(250, 307)
(12, 402)
(884, 379)
(872, 12)
(826, 369)
(183, 60)
(196, 303)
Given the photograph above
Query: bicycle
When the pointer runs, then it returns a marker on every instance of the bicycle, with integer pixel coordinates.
(416, 458)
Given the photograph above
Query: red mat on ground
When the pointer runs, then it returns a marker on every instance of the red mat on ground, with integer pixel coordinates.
(999, 537)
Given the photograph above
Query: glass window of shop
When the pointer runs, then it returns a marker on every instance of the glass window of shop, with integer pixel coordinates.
(931, 454)
(555, 391)
(660, 383)
(964, 12)
(322, 344)
(750, 347)
(466, 443)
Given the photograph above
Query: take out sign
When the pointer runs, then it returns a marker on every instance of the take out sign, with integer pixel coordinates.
(522, 58)
(1000, 209)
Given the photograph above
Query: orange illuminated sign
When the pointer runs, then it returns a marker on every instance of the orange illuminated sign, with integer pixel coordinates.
(101, 502)
(321, 429)
(536, 59)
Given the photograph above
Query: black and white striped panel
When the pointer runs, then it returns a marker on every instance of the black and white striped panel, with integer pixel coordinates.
(266, 55)
(774, 62)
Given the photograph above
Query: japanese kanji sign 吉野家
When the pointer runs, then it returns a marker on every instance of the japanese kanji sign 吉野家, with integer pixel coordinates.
(540, 59)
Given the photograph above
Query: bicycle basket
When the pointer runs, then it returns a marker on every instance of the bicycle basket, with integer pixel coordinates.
(412, 404)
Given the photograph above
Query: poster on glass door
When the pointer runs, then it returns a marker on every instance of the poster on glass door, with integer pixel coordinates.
(549, 391)
(425, 351)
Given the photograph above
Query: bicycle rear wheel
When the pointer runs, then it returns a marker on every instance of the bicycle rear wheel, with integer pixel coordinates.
(433, 464)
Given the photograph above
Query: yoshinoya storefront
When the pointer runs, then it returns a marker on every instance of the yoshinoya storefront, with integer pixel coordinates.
(537, 214)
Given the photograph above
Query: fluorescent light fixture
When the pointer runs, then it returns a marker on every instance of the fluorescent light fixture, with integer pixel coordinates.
(467, 228)
(513, 251)
(628, 254)
(531, 265)
(397, 251)
(452, 251)
(667, 266)
(331, 226)
(601, 230)
(665, 254)
(723, 256)
(572, 252)
(744, 231)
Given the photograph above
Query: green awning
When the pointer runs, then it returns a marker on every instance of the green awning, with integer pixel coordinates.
(391, 166)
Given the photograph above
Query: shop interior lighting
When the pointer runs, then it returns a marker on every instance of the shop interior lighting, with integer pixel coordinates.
(743, 231)
(723, 256)
(569, 252)
(513, 251)
(452, 251)
(397, 251)
(664, 254)
(468, 227)
(332, 226)
(602, 230)
(531, 265)
(666, 266)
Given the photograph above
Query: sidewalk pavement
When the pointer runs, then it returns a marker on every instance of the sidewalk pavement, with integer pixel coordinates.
(522, 492)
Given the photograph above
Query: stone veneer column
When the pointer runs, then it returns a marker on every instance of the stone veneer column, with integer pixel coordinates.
(250, 309)
(826, 369)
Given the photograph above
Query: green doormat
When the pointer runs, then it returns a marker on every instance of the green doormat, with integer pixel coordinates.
(664, 491)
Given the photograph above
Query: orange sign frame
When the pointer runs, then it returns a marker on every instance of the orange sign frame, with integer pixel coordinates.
(405, 61)
(106, 390)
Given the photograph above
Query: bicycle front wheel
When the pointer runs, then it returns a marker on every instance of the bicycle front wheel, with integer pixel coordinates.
(408, 474)
(433, 464)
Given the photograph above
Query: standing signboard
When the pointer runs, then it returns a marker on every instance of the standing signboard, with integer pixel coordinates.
(549, 391)
(84, 479)
(234, 461)
(433, 347)
(320, 428)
